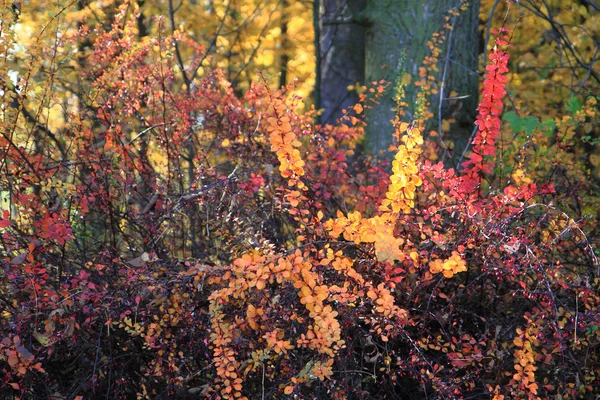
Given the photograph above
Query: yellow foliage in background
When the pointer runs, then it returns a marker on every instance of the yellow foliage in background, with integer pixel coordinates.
(244, 38)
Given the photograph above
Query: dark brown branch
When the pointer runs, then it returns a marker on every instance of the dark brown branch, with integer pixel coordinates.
(213, 41)
(186, 79)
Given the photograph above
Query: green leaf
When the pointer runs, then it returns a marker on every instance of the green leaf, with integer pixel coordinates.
(42, 339)
(544, 72)
(516, 122)
(573, 105)
(530, 123)
(548, 127)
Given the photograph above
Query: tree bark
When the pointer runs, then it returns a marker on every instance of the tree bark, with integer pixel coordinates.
(342, 56)
(397, 27)
(284, 57)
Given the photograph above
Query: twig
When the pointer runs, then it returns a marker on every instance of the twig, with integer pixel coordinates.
(97, 356)
(213, 41)
(442, 89)
(263, 381)
(149, 129)
(467, 147)
(186, 79)
(488, 28)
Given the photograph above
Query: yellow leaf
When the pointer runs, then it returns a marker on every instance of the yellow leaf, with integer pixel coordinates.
(42, 339)
(445, 126)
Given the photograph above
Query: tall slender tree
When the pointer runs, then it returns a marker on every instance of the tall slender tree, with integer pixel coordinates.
(375, 40)
(397, 33)
(341, 56)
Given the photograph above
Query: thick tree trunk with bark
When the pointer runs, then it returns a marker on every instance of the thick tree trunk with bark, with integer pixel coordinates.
(395, 27)
(284, 58)
(342, 56)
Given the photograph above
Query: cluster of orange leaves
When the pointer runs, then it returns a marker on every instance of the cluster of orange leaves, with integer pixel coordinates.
(18, 357)
(525, 357)
(255, 273)
(284, 143)
(429, 67)
(449, 267)
(405, 171)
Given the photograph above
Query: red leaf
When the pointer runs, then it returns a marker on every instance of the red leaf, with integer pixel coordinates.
(19, 259)
(475, 158)
(24, 353)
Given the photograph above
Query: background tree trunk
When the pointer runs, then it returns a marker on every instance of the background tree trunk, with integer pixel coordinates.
(284, 57)
(395, 27)
(342, 56)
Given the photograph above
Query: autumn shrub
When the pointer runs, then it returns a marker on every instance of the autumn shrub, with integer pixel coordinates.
(183, 242)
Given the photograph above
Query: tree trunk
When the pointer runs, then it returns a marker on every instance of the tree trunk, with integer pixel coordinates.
(284, 57)
(395, 27)
(342, 56)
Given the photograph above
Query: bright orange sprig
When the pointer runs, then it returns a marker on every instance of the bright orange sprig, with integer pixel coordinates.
(405, 172)
(285, 144)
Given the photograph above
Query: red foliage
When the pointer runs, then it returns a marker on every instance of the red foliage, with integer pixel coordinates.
(488, 119)
(190, 243)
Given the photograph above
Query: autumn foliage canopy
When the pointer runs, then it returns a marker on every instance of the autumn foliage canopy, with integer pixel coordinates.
(165, 236)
